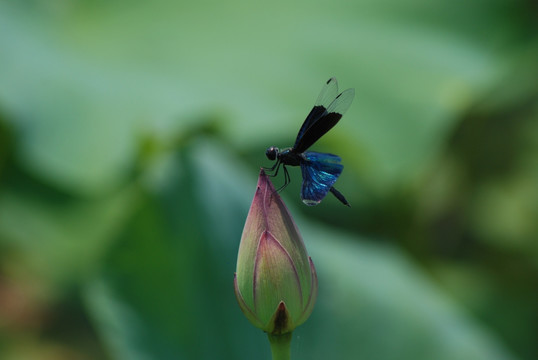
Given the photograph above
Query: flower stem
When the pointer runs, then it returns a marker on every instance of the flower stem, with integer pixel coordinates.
(280, 346)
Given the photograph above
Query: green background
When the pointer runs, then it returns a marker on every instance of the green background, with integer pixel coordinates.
(131, 136)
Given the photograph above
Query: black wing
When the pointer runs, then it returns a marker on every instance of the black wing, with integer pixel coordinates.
(326, 113)
(326, 96)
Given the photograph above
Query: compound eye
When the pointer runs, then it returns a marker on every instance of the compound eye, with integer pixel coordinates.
(271, 153)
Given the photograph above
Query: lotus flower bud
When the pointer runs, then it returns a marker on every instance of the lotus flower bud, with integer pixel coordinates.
(275, 283)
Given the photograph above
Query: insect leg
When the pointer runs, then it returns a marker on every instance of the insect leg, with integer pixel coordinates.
(286, 179)
(276, 165)
(272, 168)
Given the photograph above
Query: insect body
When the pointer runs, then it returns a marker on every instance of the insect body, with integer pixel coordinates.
(320, 170)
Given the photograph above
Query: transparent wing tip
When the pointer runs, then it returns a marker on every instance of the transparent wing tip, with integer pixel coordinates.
(342, 102)
(311, 202)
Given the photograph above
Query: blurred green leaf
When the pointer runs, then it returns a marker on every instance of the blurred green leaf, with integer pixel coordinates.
(61, 239)
(370, 290)
(93, 76)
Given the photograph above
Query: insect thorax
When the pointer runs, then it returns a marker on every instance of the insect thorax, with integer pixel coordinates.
(289, 157)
